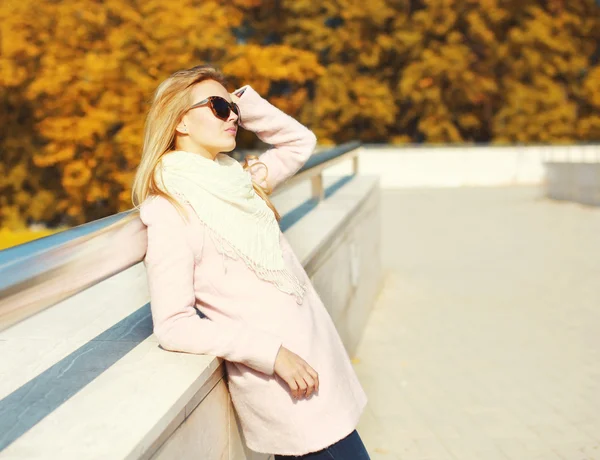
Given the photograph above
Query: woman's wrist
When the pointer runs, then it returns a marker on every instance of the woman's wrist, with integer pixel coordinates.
(252, 106)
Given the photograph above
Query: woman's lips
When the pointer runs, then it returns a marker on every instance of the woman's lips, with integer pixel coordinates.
(232, 131)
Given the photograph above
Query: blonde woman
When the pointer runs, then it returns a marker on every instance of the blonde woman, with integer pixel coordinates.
(223, 279)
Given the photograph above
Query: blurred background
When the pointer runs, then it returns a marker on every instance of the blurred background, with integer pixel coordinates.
(76, 78)
(454, 245)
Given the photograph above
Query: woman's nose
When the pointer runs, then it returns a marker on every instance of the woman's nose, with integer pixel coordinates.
(232, 116)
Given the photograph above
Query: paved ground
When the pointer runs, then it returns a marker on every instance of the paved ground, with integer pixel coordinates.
(485, 341)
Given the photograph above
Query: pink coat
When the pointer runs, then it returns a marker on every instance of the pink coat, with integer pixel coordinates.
(248, 319)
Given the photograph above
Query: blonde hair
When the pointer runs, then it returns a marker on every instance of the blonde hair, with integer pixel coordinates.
(171, 100)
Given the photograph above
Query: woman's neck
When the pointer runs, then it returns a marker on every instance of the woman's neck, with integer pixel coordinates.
(181, 144)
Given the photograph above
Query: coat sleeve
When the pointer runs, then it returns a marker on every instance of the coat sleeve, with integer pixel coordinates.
(169, 263)
(293, 143)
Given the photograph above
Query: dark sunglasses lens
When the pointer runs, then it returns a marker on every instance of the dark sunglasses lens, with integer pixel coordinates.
(221, 108)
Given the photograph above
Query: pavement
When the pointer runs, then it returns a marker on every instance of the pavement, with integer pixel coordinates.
(484, 342)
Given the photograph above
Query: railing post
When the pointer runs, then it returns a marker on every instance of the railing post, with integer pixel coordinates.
(318, 191)
(355, 164)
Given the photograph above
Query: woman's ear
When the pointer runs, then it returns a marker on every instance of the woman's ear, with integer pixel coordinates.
(181, 127)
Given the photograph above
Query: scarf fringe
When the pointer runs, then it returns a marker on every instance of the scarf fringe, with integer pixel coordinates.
(284, 280)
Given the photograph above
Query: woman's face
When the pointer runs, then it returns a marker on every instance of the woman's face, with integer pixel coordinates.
(200, 131)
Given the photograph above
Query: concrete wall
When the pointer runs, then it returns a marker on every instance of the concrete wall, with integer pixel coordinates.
(575, 181)
(459, 166)
(87, 379)
(210, 431)
(346, 272)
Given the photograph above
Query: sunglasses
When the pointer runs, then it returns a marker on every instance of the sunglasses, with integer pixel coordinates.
(221, 107)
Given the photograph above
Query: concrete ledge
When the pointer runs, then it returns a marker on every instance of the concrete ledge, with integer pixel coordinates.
(87, 379)
(579, 182)
(463, 165)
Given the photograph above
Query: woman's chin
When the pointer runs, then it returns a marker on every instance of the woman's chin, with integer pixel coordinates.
(229, 147)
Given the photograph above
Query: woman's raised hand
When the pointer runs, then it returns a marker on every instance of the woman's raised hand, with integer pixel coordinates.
(302, 379)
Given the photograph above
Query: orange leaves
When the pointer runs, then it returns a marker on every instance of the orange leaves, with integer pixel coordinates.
(510, 72)
(438, 17)
(469, 121)
(346, 102)
(545, 98)
(54, 153)
(541, 111)
(246, 3)
(262, 66)
(76, 78)
(78, 130)
(425, 82)
(443, 84)
(440, 129)
(76, 174)
(84, 73)
(591, 87)
(589, 127)
(267, 67)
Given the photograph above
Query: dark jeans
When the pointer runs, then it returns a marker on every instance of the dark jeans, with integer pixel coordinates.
(349, 448)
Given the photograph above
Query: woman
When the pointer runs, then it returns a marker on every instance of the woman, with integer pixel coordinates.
(223, 279)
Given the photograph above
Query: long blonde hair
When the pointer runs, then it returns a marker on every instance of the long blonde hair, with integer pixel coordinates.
(171, 99)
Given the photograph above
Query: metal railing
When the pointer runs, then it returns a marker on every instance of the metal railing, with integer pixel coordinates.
(41, 273)
(316, 164)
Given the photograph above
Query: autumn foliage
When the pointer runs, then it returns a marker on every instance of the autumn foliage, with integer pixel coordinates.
(76, 77)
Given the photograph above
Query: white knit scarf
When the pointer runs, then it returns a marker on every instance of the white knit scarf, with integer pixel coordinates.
(221, 194)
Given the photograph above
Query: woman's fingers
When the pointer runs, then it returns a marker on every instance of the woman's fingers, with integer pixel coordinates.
(310, 385)
(302, 379)
(306, 386)
(293, 387)
(314, 375)
(302, 387)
